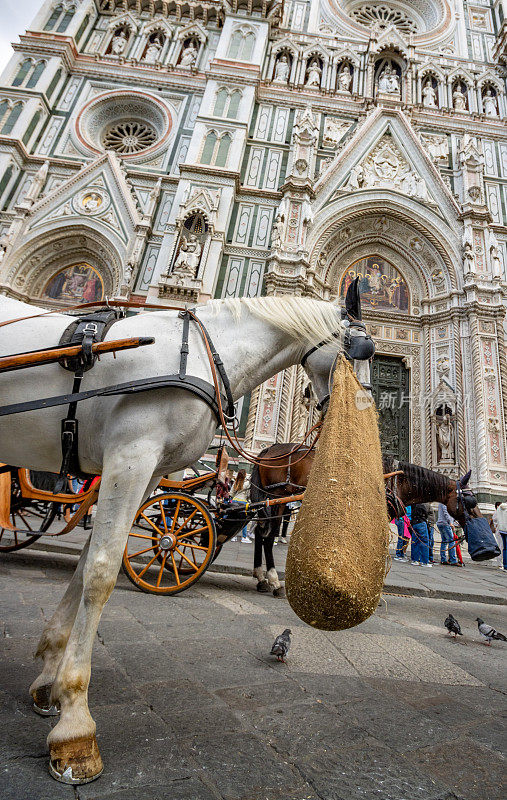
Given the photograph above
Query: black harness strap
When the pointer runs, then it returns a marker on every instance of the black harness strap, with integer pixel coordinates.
(184, 345)
(198, 386)
(69, 434)
(219, 364)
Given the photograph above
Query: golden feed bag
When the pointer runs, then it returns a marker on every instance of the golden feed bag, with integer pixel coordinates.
(337, 553)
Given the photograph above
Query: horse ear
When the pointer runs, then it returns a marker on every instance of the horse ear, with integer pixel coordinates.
(464, 480)
(353, 300)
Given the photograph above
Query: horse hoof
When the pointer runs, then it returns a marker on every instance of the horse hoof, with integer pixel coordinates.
(280, 592)
(75, 762)
(42, 702)
(263, 586)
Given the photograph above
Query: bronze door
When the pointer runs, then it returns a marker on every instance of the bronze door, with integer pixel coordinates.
(390, 382)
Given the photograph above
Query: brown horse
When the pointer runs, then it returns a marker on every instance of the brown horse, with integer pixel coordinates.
(286, 475)
(420, 485)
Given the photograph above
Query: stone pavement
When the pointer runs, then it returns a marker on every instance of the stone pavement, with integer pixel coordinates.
(190, 706)
(483, 582)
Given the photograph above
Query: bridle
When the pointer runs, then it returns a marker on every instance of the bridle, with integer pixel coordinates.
(351, 356)
(461, 495)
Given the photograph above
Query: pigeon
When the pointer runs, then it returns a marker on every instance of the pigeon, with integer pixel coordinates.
(488, 632)
(453, 626)
(281, 645)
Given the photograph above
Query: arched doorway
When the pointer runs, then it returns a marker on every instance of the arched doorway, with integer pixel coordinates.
(65, 266)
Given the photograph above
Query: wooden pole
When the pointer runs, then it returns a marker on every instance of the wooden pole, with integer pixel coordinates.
(37, 357)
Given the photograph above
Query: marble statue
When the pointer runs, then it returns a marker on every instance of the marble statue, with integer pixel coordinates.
(345, 79)
(489, 103)
(357, 177)
(496, 266)
(429, 96)
(459, 100)
(282, 70)
(314, 74)
(389, 82)
(445, 437)
(153, 52)
(188, 56)
(38, 182)
(119, 43)
(189, 256)
(277, 235)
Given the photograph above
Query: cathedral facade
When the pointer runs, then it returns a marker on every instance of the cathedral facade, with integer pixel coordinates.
(171, 152)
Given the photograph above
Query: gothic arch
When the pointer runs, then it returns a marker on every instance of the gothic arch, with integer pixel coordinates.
(418, 221)
(46, 254)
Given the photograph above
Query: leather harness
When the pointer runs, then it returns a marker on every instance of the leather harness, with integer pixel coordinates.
(92, 328)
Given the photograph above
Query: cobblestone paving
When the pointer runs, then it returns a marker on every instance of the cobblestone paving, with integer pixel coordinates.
(190, 706)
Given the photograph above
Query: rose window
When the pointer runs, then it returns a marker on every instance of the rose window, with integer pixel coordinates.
(129, 137)
(383, 16)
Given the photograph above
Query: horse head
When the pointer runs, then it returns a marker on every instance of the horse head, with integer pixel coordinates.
(358, 347)
(461, 502)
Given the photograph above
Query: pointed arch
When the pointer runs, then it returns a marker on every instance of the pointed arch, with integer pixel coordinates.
(36, 74)
(23, 71)
(53, 19)
(209, 148)
(223, 150)
(235, 98)
(221, 99)
(12, 119)
(65, 21)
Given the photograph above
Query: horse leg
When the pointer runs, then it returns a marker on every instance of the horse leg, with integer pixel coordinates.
(54, 639)
(258, 571)
(272, 575)
(74, 754)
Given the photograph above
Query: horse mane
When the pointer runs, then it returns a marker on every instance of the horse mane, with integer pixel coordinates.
(426, 481)
(302, 318)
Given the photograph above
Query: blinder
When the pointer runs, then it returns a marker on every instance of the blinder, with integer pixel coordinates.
(358, 348)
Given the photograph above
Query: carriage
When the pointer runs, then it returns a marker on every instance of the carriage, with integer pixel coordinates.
(174, 538)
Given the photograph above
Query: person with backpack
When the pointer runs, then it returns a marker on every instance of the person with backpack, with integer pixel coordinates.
(403, 525)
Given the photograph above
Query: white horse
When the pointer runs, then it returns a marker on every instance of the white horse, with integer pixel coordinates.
(132, 441)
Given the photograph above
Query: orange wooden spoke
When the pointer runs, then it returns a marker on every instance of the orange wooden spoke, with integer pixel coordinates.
(152, 524)
(193, 532)
(148, 565)
(163, 515)
(146, 550)
(194, 512)
(186, 559)
(161, 571)
(193, 546)
(144, 536)
(176, 574)
(175, 518)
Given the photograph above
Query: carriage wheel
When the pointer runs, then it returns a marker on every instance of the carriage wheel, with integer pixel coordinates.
(24, 535)
(171, 543)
